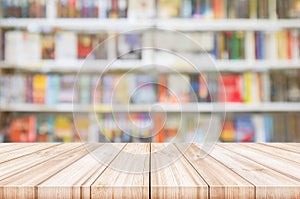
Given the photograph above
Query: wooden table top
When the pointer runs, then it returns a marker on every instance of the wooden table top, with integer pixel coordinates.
(56, 170)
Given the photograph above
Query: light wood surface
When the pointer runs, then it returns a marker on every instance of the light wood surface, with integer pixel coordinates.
(144, 170)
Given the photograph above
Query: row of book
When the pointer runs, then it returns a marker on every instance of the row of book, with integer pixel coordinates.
(24, 8)
(229, 9)
(142, 127)
(47, 89)
(44, 128)
(248, 87)
(282, 45)
(25, 47)
(28, 47)
(250, 45)
(147, 8)
(276, 127)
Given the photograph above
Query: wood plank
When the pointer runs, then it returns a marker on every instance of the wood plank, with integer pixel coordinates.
(268, 183)
(283, 146)
(6, 147)
(276, 163)
(10, 155)
(23, 163)
(269, 149)
(75, 180)
(177, 179)
(132, 181)
(22, 185)
(222, 182)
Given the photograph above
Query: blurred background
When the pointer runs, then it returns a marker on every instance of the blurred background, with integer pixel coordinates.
(248, 62)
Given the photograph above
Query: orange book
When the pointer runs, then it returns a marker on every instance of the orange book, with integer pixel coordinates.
(159, 128)
(162, 89)
(23, 129)
(218, 9)
(289, 45)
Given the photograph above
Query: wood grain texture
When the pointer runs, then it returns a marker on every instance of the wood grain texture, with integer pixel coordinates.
(284, 146)
(268, 183)
(75, 179)
(274, 162)
(22, 185)
(6, 147)
(130, 180)
(223, 182)
(172, 176)
(74, 170)
(12, 154)
(267, 149)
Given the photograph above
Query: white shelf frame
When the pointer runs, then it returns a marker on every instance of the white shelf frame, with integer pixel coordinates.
(91, 66)
(188, 107)
(120, 25)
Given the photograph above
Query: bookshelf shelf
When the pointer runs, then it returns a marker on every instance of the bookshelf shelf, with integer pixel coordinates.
(91, 66)
(77, 24)
(175, 23)
(227, 24)
(68, 66)
(159, 107)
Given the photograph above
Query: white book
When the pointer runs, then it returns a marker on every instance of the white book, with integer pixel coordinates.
(141, 9)
(258, 121)
(13, 47)
(66, 46)
(266, 87)
(102, 8)
(249, 45)
(31, 48)
(179, 87)
(272, 9)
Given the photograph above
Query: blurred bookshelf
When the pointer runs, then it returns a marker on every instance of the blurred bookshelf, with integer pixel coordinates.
(255, 46)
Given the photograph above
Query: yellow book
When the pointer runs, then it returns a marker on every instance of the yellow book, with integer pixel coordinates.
(253, 9)
(282, 44)
(39, 85)
(221, 45)
(247, 87)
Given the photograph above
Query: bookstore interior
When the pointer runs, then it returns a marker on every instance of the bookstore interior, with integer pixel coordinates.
(94, 70)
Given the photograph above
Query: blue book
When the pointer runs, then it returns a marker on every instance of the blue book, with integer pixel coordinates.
(244, 129)
(259, 45)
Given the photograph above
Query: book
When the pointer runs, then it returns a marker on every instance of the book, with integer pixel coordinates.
(48, 46)
(45, 128)
(129, 46)
(66, 94)
(178, 88)
(39, 85)
(81, 126)
(84, 45)
(52, 89)
(168, 8)
(84, 90)
(145, 90)
(244, 129)
(232, 91)
(23, 129)
(141, 9)
(65, 45)
(228, 131)
(63, 131)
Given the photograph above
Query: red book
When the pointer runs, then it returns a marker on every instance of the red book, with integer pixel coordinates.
(84, 46)
(23, 129)
(162, 89)
(230, 88)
